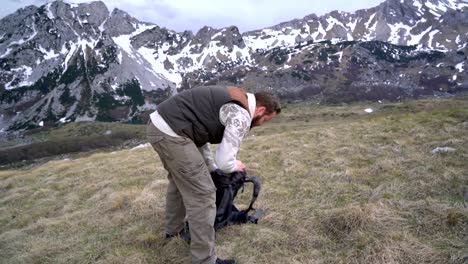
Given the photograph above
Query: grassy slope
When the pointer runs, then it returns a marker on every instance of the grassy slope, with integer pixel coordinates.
(339, 186)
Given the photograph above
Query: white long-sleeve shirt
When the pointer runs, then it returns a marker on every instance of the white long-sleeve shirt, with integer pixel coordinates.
(236, 121)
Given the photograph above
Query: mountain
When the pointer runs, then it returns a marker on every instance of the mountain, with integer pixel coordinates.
(65, 62)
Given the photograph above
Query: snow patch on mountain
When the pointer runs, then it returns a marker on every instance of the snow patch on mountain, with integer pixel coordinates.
(352, 25)
(124, 41)
(24, 72)
(70, 54)
(48, 54)
(270, 39)
(158, 65)
(332, 22)
(431, 37)
(396, 29)
(460, 66)
(50, 15)
(416, 39)
(457, 4)
(418, 4)
(7, 52)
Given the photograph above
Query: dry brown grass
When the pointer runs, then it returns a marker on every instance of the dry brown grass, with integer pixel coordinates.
(339, 186)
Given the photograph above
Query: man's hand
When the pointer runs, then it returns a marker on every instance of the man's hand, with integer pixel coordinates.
(240, 165)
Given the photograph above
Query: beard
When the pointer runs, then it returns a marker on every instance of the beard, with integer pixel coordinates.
(255, 121)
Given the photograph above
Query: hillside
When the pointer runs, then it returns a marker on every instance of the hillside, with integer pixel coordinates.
(339, 186)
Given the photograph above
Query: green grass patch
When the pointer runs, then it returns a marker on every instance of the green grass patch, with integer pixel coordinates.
(339, 186)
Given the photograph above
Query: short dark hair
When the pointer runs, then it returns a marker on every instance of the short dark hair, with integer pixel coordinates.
(270, 101)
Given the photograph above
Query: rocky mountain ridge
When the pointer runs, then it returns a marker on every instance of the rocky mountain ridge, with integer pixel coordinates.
(65, 62)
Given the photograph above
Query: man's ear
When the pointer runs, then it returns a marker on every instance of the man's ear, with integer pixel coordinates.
(260, 110)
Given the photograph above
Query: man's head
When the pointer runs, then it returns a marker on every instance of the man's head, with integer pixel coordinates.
(267, 107)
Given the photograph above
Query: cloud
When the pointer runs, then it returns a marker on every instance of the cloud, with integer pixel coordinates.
(182, 15)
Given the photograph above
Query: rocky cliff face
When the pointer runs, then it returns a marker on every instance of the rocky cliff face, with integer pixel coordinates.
(64, 62)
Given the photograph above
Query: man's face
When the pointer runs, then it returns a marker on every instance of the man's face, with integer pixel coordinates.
(262, 118)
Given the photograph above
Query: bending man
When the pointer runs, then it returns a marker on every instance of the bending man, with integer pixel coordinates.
(180, 131)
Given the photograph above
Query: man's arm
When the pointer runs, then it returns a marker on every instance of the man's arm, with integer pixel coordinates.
(208, 156)
(236, 121)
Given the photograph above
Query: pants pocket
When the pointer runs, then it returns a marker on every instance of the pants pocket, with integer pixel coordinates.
(197, 176)
(157, 142)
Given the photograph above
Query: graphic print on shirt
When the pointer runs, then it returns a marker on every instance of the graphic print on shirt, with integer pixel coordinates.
(236, 121)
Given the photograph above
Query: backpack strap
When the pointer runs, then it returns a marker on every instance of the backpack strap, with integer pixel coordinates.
(254, 218)
(257, 186)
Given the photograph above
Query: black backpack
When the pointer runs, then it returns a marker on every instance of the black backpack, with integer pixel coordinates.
(227, 187)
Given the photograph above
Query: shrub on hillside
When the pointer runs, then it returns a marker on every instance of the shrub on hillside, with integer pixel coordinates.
(57, 147)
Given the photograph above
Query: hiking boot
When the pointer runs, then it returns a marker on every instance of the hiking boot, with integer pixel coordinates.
(225, 261)
(184, 234)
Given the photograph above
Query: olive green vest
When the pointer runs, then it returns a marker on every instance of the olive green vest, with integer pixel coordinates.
(194, 113)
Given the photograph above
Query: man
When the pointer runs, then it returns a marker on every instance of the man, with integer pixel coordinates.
(180, 131)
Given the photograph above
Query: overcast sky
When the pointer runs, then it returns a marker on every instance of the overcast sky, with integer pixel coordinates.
(182, 15)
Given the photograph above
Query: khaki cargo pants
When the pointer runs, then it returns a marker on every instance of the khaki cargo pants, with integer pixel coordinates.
(191, 192)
